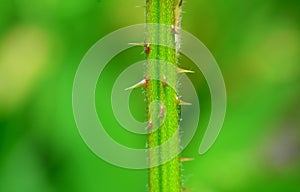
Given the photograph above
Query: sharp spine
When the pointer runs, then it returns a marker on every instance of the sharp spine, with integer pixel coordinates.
(162, 111)
(180, 70)
(137, 44)
(150, 124)
(184, 103)
(164, 80)
(139, 84)
(180, 102)
(147, 48)
(140, 6)
(185, 159)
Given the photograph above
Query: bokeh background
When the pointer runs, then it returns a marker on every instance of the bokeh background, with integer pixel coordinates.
(256, 44)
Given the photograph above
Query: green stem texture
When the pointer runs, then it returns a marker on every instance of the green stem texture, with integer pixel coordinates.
(167, 176)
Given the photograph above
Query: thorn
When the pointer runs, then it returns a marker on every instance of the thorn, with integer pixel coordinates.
(174, 29)
(140, 6)
(164, 80)
(184, 103)
(150, 124)
(137, 44)
(178, 10)
(180, 102)
(147, 48)
(185, 159)
(139, 84)
(162, 111)
(185, 71)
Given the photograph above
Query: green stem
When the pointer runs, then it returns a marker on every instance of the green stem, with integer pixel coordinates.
(165, 177)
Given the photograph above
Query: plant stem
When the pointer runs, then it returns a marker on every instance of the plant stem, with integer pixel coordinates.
(165, 177)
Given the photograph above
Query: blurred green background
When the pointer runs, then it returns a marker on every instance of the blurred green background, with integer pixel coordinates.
(256, 44)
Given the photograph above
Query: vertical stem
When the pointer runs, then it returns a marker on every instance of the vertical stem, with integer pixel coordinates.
(165, 177)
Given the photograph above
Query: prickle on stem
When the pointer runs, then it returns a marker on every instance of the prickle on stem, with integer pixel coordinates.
(146, 45)
(139, 84)
(150, 124)
(177, 12)
(164, 80)
(174, 29)
(185, 159)
(162, 111)
(180, 102)
(180, 70)
(147, 48)
(140, 6)
(137, 44)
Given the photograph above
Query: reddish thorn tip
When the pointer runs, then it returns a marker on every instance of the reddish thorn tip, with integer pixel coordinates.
(147, 48)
